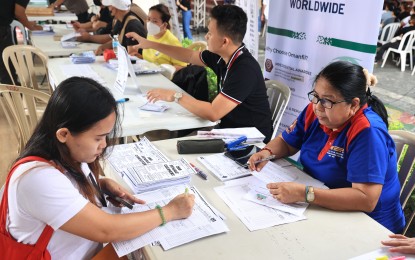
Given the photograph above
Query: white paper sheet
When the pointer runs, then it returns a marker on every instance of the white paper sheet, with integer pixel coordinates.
(134, 155)
(203, 222)
(253, 215)
(222, 167)
(383, 251)
(71, 70)
(279, 171)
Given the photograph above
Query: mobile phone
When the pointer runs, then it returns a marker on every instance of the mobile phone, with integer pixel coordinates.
(241, 156)
(117, 199)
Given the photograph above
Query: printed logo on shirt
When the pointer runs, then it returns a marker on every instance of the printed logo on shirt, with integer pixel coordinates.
(336, 151)
(291, 127)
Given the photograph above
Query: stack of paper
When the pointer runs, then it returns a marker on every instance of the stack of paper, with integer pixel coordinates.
(83, 57)
(47, 30)
(252, 134)
(140, 66)
(254, 205)
(204, 221)
(144, 168)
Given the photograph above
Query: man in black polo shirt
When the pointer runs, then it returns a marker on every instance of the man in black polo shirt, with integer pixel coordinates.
(242, 100)
(10, 10)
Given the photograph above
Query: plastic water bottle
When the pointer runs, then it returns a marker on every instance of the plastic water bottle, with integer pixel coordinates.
(115, 45)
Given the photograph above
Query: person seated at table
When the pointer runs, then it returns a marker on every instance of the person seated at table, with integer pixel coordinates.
(242, 100)
(344, 142)
(400, 244)
(78, 7)
(158, 30)
(79, 123)
(126, 21)
(98, 23)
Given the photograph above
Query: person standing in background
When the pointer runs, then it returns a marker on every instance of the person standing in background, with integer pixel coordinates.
(12, 9)
(78, 7)
(184, 6)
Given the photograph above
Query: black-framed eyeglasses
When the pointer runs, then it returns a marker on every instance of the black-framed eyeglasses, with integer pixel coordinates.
(326, 103)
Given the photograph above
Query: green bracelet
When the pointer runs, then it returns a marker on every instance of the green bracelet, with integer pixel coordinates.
(160, 209)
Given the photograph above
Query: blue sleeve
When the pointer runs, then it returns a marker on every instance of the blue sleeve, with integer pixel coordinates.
(368, 157)
(294, 135)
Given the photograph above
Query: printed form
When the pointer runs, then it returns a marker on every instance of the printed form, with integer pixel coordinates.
(204, 221)
(279, 172)
(253, 215)
(223, 167)
(144, 168)
(71, 70)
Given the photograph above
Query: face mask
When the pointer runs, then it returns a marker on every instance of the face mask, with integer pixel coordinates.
(152, 29)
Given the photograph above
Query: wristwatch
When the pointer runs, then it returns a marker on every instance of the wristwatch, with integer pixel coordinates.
(309, 194)
(177, 96)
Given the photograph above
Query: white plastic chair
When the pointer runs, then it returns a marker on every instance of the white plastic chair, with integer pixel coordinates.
(22, 57)
(388, 31)
(21, 105)
(16, 24)
(278, 97)
(402, 50)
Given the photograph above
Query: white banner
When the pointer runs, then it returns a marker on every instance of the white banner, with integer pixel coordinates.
(303, 36)
(175, 29)
(251, 37)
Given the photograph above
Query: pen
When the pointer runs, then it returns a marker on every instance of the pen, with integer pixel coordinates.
(199, 172)
(263, 159)
(122, 100)
(186, 191)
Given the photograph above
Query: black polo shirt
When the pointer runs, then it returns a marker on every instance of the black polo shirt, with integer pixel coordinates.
(132, 26)
(7, 10)
(241, 81)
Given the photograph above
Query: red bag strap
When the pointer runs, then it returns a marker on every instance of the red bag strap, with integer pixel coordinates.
(44, 238)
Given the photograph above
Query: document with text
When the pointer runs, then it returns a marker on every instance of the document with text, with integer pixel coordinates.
(279, 172)
(204, 221)
(253, 215)
(223, 167)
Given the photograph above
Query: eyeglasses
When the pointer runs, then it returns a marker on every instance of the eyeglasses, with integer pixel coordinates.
(326, 103)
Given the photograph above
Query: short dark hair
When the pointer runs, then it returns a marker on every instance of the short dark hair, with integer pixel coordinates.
(77, 104)
(231, 21)
(350, 80)
(164, 12)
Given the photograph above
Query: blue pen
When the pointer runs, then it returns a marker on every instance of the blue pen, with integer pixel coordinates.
(122, 100)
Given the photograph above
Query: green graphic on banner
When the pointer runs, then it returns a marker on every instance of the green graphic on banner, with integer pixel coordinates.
(287, 33)
(354, 46)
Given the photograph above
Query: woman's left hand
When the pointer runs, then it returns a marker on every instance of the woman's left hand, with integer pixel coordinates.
(119, 191)
(160, 94)
(287, 192)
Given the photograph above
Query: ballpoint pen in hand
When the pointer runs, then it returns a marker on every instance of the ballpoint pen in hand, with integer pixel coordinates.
(263, 159)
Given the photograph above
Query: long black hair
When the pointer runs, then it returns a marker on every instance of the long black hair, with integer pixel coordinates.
(350, 80)
(77, 104)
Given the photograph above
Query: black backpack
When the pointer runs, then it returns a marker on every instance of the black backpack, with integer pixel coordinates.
(193, 80)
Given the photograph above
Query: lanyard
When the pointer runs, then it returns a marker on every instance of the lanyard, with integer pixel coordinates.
(230, 63)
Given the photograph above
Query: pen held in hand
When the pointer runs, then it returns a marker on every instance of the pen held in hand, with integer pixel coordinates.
(271, 157)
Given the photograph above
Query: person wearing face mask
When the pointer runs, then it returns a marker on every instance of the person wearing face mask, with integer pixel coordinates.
(125, 21)
(158, 31)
